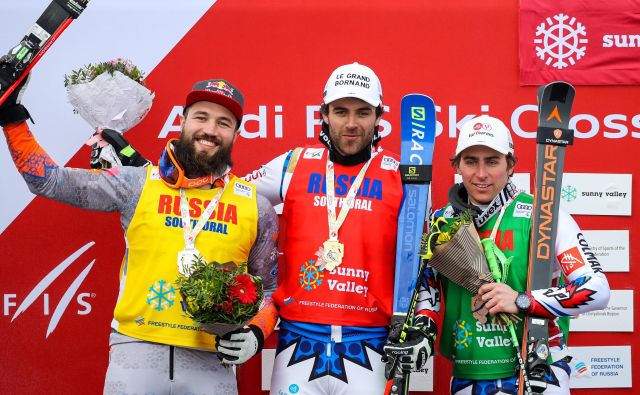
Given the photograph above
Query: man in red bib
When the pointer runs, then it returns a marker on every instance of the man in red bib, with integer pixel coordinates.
(341, 202)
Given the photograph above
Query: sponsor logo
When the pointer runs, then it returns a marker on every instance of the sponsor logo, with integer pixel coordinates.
(557, 133)
(581, 369)
(311, 275)
(155, 174)
(161, 295)
(242, 190)
(220, 87)
(69, 295)
(570, 260)
(139, 321)
(256, 175)
(462, 335)
(560, 41)
(313, 153)
(569, 193)
(523, 210)
(389, 163)
(294, 388)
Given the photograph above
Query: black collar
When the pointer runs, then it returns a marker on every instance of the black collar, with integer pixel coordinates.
(347, 160)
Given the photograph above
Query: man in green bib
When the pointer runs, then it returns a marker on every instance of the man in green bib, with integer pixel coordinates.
(483, 355)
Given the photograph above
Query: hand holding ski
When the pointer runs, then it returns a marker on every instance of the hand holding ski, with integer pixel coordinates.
(15, 65)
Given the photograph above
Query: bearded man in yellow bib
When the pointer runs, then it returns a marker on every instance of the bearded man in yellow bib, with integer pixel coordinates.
(189, 204)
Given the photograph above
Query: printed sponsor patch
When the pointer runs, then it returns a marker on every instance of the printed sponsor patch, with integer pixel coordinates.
(523, 210)
(570, 260)
(389, 163)
(256, 175)
(242, 190)
(155, 174)
(313, 153)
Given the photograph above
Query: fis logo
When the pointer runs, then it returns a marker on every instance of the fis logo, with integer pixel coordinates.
(67, 297)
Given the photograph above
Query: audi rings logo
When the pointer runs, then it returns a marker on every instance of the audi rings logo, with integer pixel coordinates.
(560, 41)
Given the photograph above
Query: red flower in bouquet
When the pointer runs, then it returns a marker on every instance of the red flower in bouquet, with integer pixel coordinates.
(227, 307)
(243, 289)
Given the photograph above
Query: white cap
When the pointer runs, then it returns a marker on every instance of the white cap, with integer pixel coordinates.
(353, 80)
(488, 131)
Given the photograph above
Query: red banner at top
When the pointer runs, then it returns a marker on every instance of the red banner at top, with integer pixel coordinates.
(583, 42)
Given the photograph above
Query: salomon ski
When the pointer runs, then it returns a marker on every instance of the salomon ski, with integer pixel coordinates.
(418, 125)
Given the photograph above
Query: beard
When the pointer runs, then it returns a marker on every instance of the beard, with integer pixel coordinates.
(200, 164)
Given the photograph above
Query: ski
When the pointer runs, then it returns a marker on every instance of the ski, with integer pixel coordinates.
(553, 135)
(418, 126)
(15, 65)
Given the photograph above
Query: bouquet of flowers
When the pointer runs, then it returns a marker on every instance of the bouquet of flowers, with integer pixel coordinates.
(220, 297)
(110, 95)
(460, 255)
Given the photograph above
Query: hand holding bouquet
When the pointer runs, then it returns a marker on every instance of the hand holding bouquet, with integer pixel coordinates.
(460, 255)
(220, 297)
(109, 95)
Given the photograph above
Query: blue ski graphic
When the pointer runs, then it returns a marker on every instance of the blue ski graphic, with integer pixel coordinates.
(418, 127)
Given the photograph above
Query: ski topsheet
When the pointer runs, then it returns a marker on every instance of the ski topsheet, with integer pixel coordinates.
(553, 135)
(20, 60)
(418, 126)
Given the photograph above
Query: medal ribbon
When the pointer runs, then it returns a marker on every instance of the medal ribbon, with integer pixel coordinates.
(191, 233)
(332, 203)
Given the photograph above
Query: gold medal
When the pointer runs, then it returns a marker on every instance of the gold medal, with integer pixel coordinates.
(332, 254)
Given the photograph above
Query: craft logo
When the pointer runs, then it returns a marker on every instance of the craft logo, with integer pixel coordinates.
(560, 41)
(67, 297)
(569, 193)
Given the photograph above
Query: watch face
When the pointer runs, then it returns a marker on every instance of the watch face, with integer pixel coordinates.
(523, 302)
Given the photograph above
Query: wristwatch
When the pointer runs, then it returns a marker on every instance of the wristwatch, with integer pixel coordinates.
(523, 302)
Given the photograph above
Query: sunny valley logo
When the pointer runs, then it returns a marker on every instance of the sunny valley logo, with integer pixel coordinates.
(560, 41)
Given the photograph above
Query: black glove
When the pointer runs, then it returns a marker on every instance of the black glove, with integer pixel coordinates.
(11, 111)
(236, 347)
(413, 353)
(126, 154)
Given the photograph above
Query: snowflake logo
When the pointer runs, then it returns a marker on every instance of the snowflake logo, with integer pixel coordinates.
(462, 334)
(161, 295)
(310, 275)
(560, 41)
(569, 193)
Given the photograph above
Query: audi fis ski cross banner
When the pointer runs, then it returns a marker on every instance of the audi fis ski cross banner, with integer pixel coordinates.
(585, 42)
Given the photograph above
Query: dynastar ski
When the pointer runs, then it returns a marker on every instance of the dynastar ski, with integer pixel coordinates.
(15, 65)
(553, 135)
(418, 126)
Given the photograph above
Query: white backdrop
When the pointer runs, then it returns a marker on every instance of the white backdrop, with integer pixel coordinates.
(107, 29)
